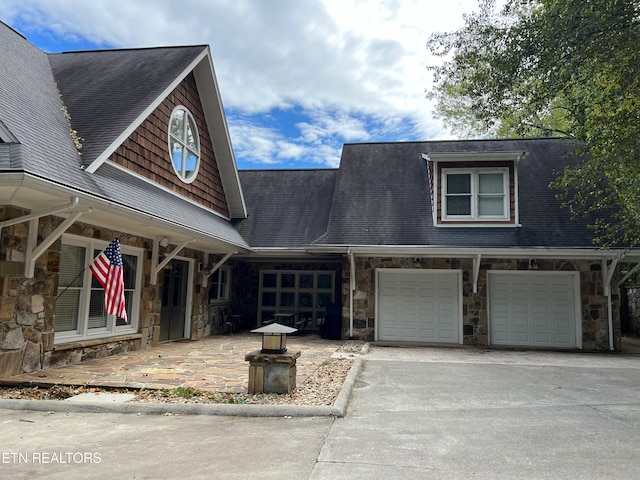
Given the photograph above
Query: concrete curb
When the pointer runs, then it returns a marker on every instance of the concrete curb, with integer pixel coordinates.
(338, 409)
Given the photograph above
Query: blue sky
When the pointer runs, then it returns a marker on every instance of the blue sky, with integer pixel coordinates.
(298, 79)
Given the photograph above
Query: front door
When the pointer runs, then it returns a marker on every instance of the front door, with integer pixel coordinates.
(174, 300)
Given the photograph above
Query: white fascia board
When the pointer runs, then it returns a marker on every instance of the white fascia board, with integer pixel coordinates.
(143, 116)
(473, 156)
(470, 252)
(216, 119)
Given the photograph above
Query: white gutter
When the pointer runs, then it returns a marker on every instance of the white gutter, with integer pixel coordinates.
(352, 288)
(470, 252)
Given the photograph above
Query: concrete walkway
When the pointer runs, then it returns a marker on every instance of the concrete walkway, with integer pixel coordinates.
(212, 363)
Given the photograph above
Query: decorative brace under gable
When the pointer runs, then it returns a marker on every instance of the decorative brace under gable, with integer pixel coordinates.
(155, 266)
(34, 250)
(207, 274)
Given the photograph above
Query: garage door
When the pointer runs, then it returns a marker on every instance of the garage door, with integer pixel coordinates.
(532, 309)
(418, 307)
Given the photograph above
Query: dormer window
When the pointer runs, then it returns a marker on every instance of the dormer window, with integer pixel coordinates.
(470, 194)
(474, 188)
(184, 144)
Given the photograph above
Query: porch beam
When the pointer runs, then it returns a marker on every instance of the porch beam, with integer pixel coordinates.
(607, 274)
(352, 290)
(476, 272)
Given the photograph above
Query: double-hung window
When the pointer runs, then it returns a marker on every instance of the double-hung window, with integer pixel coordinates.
(475, 194)
(219, 290)
(80, 310)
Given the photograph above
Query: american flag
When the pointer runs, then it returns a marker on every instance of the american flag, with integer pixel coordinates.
(107, 268)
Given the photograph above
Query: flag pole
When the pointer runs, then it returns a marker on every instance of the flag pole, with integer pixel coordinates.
(71, 282)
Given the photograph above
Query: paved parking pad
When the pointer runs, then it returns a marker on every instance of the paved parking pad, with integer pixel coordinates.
(69, 446)
(473, 413)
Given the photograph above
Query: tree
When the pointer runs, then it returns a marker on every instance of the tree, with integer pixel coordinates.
(567, 68)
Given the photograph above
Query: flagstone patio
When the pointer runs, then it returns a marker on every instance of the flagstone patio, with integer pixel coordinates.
(212, 363)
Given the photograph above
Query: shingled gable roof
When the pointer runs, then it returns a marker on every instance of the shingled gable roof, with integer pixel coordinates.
(109, 93)
(288, 208)
(45, 160)
(382, 197)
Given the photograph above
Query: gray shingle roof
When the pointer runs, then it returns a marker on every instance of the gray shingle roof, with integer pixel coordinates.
(30, 106)
(287, 208)
(105, 91)
(382, 197)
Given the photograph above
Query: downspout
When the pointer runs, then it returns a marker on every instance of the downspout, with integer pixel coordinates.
(352, 288)
(607, 274)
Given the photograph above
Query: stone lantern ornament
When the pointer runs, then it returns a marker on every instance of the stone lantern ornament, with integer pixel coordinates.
(274, 337)
(272, 369)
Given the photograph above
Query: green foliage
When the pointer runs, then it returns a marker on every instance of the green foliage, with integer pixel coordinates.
(566, 68)
(187, 392)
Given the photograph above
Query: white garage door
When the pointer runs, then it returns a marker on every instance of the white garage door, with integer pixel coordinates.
(533, 309)
(418, 307)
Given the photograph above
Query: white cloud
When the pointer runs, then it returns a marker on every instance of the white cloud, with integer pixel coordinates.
(356, 68)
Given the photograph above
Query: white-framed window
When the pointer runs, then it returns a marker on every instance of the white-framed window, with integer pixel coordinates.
(308, 293)
(475, 194)
(80, 312)
(219, 289)
(184, 144)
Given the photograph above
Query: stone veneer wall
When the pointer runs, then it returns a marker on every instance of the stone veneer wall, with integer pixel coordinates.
(27, 305)
(595, 336)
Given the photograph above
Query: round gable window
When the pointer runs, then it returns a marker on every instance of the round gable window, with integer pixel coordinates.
(184, 144)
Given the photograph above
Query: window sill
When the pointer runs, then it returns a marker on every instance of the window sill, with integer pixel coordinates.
(98, 341)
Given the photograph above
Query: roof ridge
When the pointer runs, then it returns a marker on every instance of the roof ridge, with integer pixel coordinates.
(129, 49)
(461, 140)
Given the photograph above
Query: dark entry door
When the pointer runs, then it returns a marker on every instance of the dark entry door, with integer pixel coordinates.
(174, 300)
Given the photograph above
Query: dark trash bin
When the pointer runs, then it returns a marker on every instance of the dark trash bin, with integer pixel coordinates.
(332, 325)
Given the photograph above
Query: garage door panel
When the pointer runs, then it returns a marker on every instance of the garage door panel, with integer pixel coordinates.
(541, 338)
(422, 307)
(532, 309)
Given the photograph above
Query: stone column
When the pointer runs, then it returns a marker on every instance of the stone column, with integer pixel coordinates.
(272, 372)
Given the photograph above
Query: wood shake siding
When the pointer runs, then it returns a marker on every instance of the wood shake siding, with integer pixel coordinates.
(146, 151)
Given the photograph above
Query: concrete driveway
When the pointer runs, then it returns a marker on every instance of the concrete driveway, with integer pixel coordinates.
(473, 413)
(415, 413)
